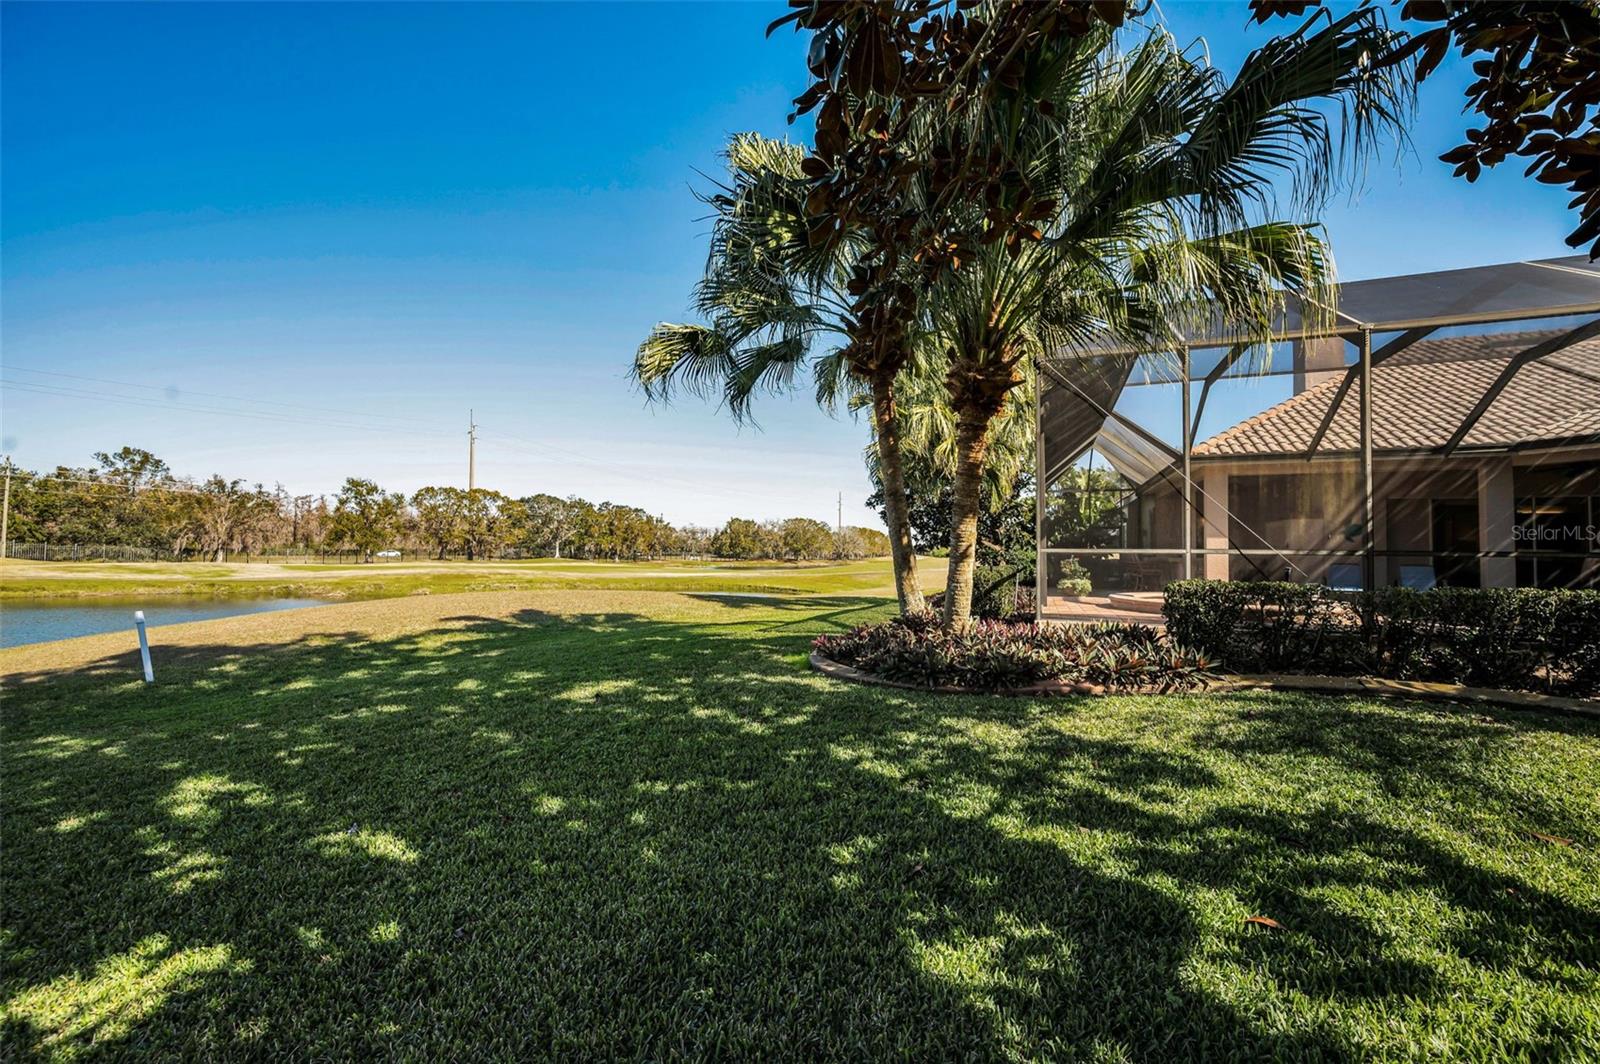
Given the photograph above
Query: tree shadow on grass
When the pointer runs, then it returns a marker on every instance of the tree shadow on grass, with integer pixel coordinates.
(812, 613)
(1464, 749)
(612, 834)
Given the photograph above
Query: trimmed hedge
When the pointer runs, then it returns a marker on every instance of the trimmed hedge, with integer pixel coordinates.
(999, 593)
(990, 655)
(1510, 638)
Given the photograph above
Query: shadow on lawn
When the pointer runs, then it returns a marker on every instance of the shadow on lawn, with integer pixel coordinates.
(623, 836)
(811, 614)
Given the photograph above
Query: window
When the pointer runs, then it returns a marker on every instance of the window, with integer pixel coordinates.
(1553, 524)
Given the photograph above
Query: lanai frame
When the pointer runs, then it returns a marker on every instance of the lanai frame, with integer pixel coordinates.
(1412, 307)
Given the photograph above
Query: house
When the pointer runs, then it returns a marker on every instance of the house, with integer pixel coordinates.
(1514, 502)
(1476, 462)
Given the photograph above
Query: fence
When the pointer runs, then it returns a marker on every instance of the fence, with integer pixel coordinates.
(116, 552)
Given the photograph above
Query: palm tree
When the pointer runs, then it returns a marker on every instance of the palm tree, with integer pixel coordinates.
(775, 301)
(1153, 181)
(928, 432)
(928, 446)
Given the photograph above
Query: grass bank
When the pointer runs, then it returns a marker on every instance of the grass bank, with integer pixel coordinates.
(64, 580)
(633, 824)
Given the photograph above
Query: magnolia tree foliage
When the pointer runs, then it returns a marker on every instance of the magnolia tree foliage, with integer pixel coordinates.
(1537, 90)
(1005, 532)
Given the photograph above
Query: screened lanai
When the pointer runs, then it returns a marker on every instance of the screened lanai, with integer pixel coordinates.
(1437, 429)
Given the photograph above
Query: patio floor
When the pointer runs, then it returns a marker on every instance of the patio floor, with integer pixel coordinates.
(1137, 607)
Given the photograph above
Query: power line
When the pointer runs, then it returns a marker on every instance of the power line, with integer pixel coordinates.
(131, 489)
(5, 512)
(648, 478)
(207, 395)
(158, 404)
(534, 446)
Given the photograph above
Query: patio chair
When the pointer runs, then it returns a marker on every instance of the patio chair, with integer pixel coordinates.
(1418, 577)
(1345, 576)
(1139, 572)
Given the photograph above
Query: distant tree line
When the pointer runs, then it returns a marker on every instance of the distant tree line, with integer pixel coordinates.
(131, 498)
(796, 539)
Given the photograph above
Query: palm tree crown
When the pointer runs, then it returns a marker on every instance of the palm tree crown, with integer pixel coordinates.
(1164, 193)
(774, 301)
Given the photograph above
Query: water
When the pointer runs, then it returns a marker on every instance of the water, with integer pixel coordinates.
(42, 620)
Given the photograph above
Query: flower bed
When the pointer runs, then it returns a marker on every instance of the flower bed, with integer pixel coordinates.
(992, 655)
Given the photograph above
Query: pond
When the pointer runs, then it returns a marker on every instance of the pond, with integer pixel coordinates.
(42, 620)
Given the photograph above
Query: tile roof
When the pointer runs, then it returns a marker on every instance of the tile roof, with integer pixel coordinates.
(1422, 395)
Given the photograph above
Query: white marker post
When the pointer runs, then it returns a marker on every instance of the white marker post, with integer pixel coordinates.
(144, 646)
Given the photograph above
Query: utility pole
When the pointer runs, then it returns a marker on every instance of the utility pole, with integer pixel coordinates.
(472, 452)
(840, 526)
(5, 512)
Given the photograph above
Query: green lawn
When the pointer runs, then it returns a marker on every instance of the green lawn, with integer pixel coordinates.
(386, 579)
(635, 825)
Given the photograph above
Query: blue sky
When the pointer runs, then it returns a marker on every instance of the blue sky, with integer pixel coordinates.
(304, 240)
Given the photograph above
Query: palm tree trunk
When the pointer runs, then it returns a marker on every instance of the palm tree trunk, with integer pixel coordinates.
(897, 510)
(972, 442)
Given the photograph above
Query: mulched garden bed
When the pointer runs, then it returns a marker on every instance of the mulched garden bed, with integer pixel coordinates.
(1017, 657)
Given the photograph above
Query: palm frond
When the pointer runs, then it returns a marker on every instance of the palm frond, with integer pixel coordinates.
(836, 385)
(692, 357)
(768, 299)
